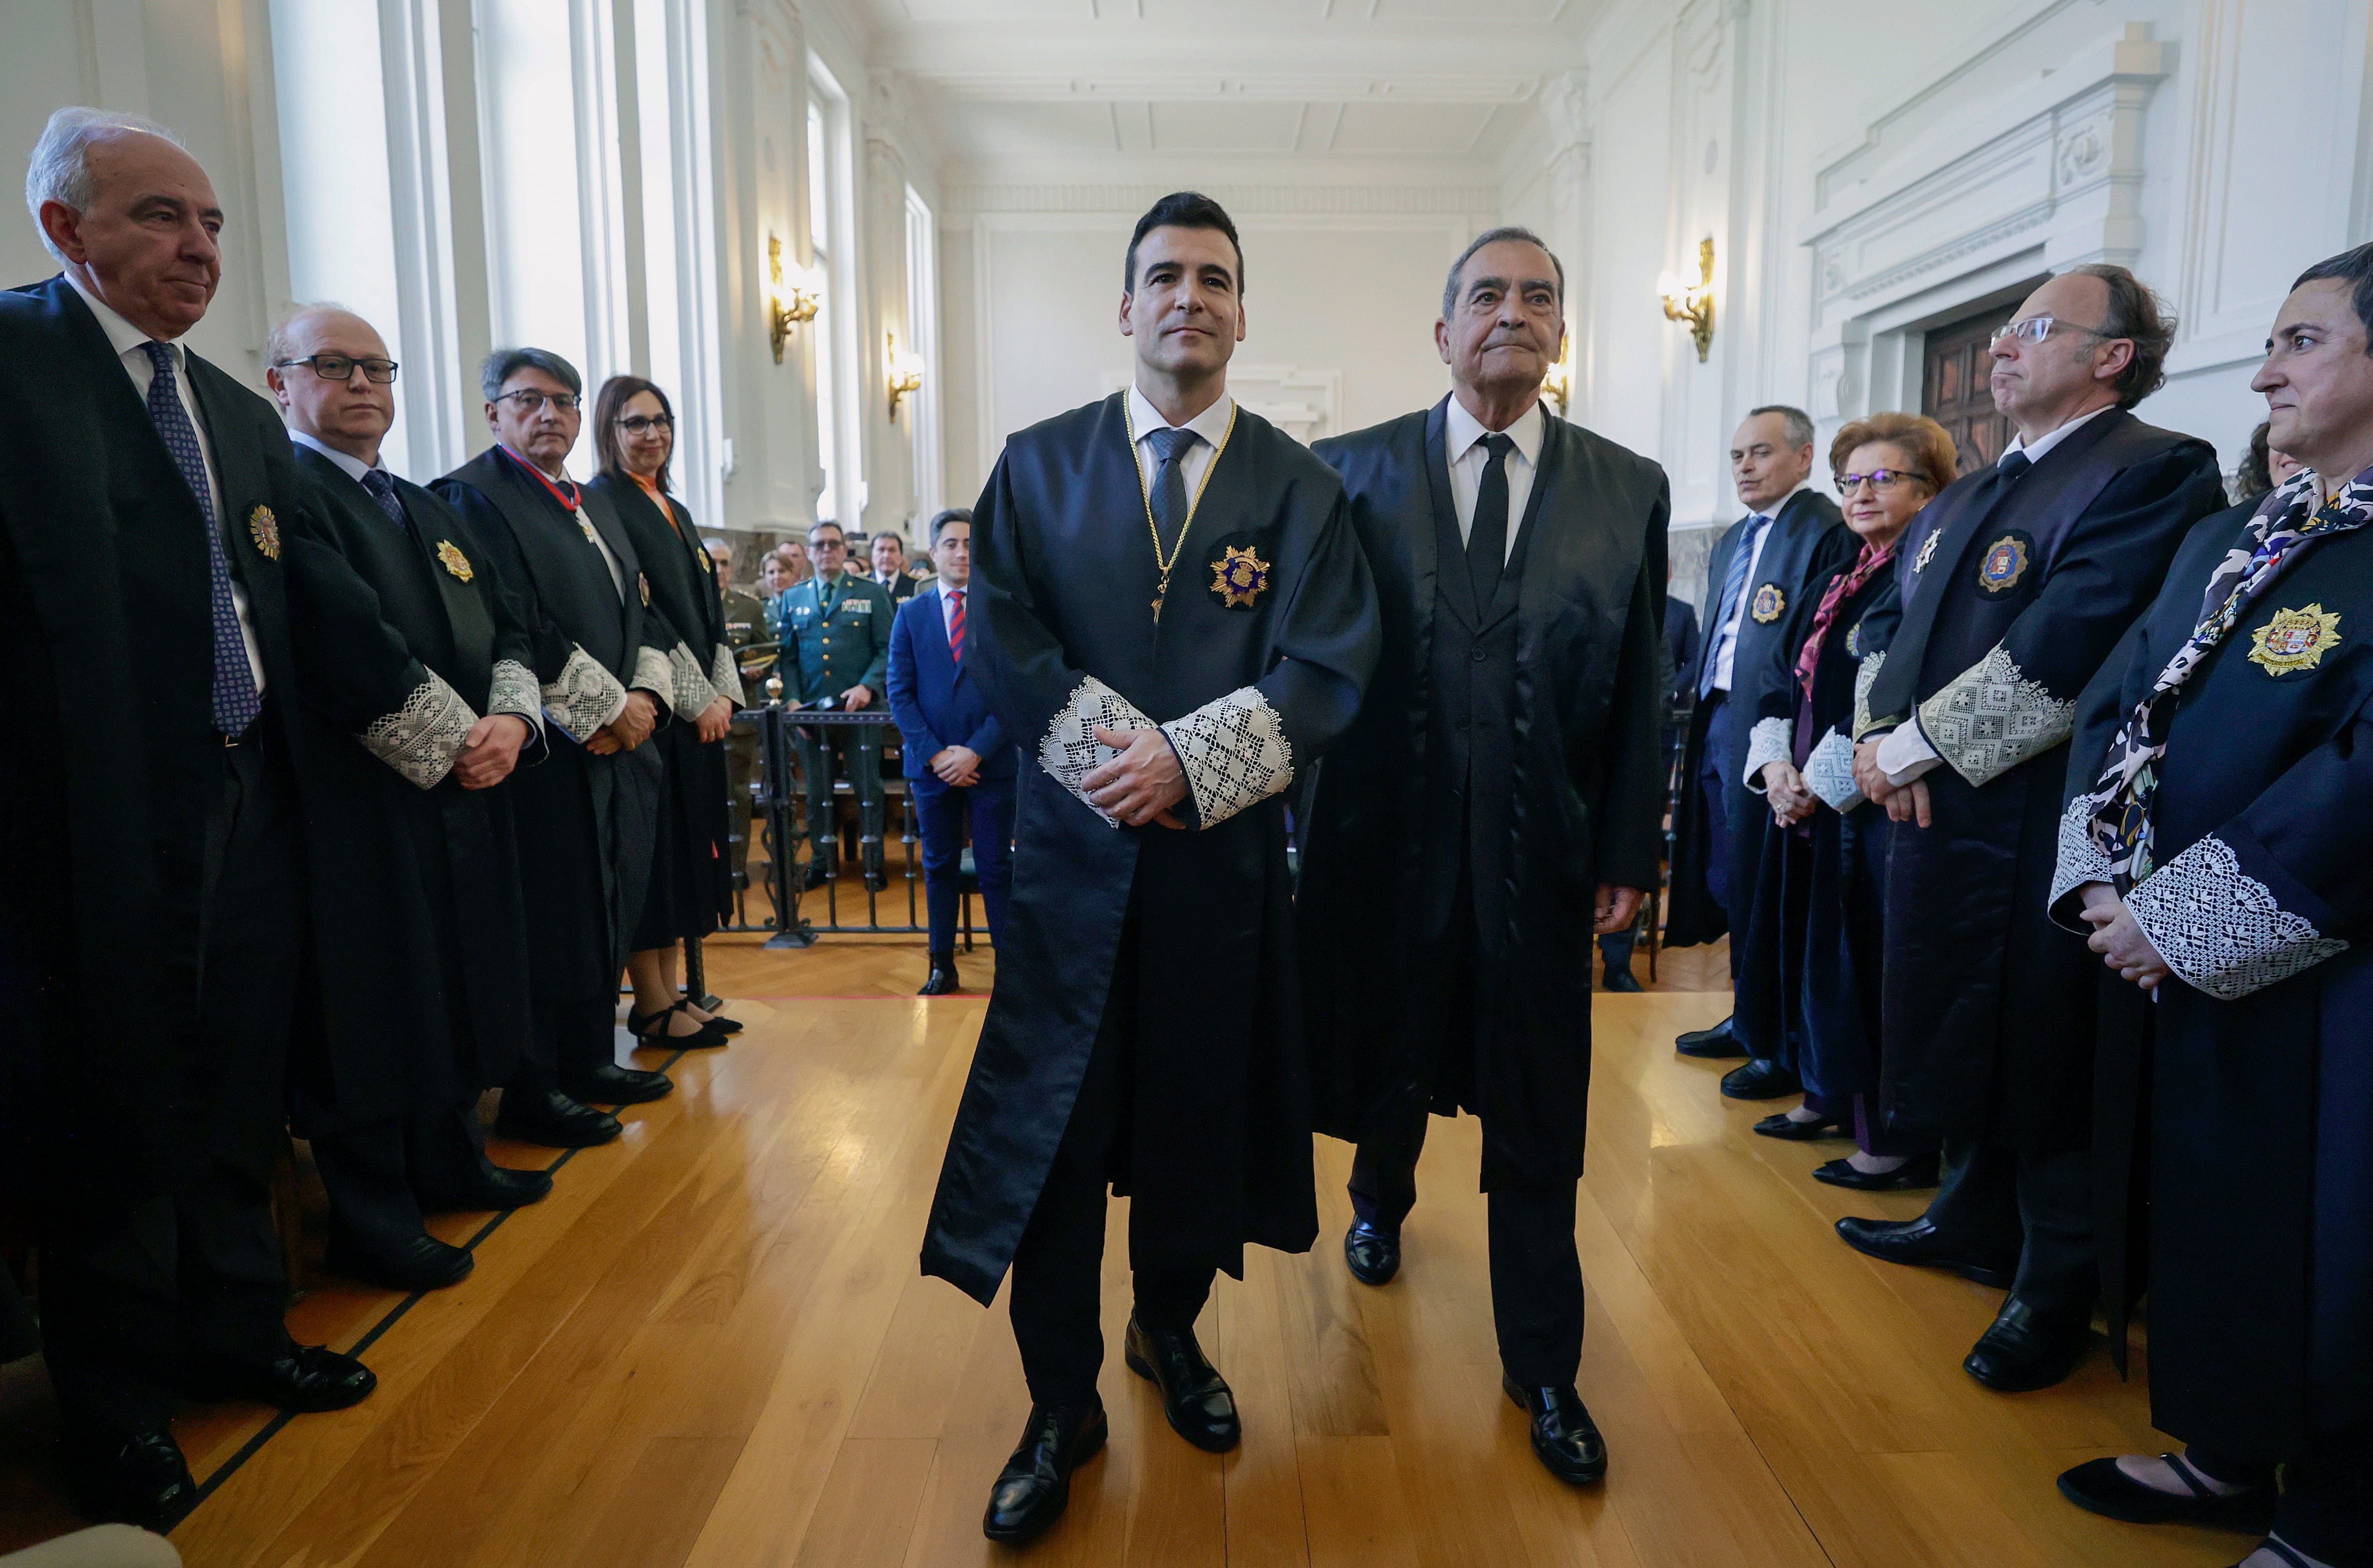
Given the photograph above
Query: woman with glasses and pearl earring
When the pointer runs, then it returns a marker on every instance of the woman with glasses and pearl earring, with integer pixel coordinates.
(1812, 929)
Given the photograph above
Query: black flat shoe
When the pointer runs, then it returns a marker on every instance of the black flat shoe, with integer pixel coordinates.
(1760, 1080)
(137, 1480)
(721, 1024)
(1717, 1044)
(2290, 1558)
(2028, 1349)
(305, 1379)
(412, 1263)
(1918, 1172)
(1919, 1244)
(1620, 979)
(1780, 1127)
(942, 980)
(555, 1120)
(817, 875)
(1373, 1255)
(1565, 1439)
(651, 1030)
(1194, 1396)
(497, 1188)
(2102, 1487)
(1035, 1485)
(610, 1085)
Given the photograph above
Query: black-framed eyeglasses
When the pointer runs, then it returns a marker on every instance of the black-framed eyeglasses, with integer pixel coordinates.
(2035, 329)
(640, 424)
(530, 400)
(341, 367)
(1883, 481)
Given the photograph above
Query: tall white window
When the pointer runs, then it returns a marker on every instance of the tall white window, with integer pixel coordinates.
(923, 331)
(820, 250)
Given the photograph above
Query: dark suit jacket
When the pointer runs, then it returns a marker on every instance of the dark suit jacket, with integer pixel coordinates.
(935, 700)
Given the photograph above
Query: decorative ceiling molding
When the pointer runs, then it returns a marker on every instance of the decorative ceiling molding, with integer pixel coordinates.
(1174, 86)
(1457, 201)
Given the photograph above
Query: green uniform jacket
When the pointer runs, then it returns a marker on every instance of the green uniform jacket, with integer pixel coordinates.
(836, 637)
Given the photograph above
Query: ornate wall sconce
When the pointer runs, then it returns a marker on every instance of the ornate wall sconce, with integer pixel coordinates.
(806, 296)
(1692, 302)
(1557, 383)
(902, 373)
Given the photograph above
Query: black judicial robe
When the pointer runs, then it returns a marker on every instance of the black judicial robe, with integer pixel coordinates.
(1988, 1007)
(1570, 788)
(1807, 538)
(1249, 692)
(585, 821)
(434, 876)
(2258, 1088)
(1809, 933)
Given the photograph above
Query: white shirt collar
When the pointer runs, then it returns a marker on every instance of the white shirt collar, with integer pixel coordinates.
(1212, 424)
(122, 336)
(353, 467)
(1527, 432)
(2044, 444)
(946, 588)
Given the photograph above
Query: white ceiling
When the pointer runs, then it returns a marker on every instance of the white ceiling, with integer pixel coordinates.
(1064, 90)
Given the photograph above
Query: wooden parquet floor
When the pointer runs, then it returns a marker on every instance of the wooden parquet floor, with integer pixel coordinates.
(710, 1349)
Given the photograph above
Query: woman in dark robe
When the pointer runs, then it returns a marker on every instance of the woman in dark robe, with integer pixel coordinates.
(1812, 931)
(691, 886)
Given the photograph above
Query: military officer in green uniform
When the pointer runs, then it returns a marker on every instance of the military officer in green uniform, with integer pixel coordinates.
(837, 656)
(745, 625)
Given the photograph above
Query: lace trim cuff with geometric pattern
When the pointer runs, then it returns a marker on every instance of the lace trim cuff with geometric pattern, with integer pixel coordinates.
(1070, 751)
(1991, 718)
(1865, 677)
(421, 739)
(654, 674)
(1828, 773)
(2080, 860)
(689, 693)
(584, 697)
(2220, 927)
(513, 691)
(1235, 751)
(1770, 741)
(725, 675)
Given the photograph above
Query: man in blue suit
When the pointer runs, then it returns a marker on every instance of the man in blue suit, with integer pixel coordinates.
(958, 760)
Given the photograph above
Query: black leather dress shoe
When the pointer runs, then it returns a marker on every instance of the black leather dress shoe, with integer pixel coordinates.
(1194, 1396)
(2029, 1347)
(1716, 1044)
(411, 1263)
(817, 875)
(610, 1085)
(1779, 1125)
(497, 1188)
(942, 980)
(2098, 1485)
(1373, 1254)
(1912, 1175)
(554, 1120)
(1565, 1439)
(140, 1479)
(1920, 1244)
(1618, 978)
(1035, 1485)
(1760, 1080)
(304, 1379)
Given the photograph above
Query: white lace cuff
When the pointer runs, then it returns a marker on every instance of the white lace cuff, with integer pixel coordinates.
(1235, 751)
(1828, 772)
(1865, 677)
(1770, 741)
(1070, 750)
(725, 675)
(654, 674)
(2220, 929)
(584, 697)
(2080, 860)
(689, 692)
(1991, 718)
(513, 691)
(421, 739)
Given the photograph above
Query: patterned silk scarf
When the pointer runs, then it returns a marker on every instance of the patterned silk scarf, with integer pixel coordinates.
(2287, 520)
(1866, 567)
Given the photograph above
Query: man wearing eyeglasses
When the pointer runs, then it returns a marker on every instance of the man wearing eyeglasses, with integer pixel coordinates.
(836, 655)
(587, 813)
(2016, 582)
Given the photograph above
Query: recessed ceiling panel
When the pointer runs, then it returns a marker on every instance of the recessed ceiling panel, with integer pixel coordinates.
(1226, 127)
(1442, 130)
(1232, 11)
(897, 13)
(1545, 13)
(1022, 129)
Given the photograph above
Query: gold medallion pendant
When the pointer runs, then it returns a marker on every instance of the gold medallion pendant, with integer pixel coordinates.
(264, 529)
(449, 556)
(586, 526)
(646, 585)
(1239, 577)
(1769, 603)
(2295, 639)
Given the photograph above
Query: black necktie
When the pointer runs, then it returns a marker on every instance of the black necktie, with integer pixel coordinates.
(382, 489)
(1170, 482)
(1487, 537)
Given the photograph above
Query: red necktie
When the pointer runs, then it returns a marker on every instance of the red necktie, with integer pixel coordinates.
(955, 625)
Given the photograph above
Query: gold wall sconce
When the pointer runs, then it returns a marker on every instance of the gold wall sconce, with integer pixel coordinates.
(806, 296)
(1692, 302)
(902, 373)
(1557, 383)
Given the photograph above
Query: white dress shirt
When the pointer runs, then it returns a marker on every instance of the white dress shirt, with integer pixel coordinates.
(1212, 425)
(351, 466)
(1725, 650)
(1469, 457)
(128, 343)
(617, 573)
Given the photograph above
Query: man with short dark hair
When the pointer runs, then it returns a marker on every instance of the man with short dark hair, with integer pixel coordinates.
(2017, 583)
(1507, 757)
(1144, 1034)
(889, 552)
(837, 656)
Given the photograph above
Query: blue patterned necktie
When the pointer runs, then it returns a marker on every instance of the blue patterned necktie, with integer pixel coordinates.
(1170, 480)
(382, 489)
(1734, 583)
(236, 700)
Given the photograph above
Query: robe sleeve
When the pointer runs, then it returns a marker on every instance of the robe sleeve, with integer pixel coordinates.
(578, 695)
(2019, 701)
(1629, 754)
(1879, 624)
(1241, 749)
(1772, 735)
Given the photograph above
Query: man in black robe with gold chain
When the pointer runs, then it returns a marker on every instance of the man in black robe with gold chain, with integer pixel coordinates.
(1174, 617)
(1499, 798)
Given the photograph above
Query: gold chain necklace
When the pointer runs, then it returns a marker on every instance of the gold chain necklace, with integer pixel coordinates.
(1163, 564)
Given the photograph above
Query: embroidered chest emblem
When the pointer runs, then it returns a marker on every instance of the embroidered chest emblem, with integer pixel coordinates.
(2295, 639)
(585, 526)
(1239, 577)
(1854, 641)
(264, 529)
(1927, 550)
(2005, 564)
(449, 556)
(1769, 603)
